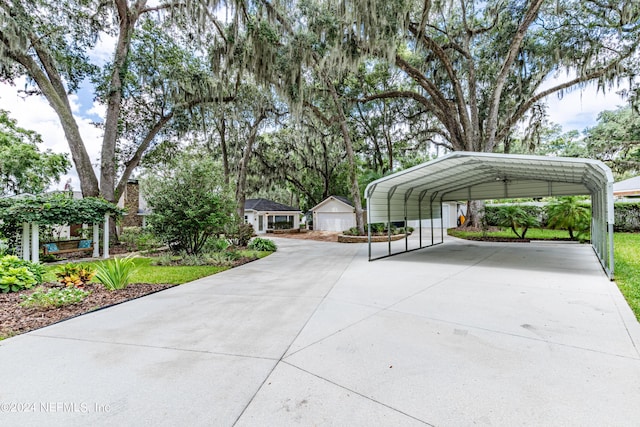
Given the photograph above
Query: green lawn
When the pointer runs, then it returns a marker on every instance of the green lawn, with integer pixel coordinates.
(626, 252)
(532, 233)
(147, 273)
(627, 268)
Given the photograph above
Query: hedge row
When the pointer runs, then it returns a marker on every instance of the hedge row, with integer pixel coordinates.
(627, 215)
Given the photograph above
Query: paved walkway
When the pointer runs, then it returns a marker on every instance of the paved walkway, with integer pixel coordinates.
(458, 334)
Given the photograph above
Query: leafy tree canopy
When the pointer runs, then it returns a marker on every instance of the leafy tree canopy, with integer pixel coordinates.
(23, 167)
(615, 139)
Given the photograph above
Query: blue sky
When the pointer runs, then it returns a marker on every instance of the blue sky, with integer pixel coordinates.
(577, 110)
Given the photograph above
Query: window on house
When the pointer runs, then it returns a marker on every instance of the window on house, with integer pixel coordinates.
(280, 222)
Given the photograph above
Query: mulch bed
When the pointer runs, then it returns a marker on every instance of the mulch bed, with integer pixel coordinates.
(15, 319)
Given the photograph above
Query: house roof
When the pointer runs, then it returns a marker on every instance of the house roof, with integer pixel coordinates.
(267, 205)
(627, 185)
(338, 198)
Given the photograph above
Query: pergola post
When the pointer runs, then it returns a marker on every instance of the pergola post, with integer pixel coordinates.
(105, 237)
(96, 240)
(35, 243)
(25, 241)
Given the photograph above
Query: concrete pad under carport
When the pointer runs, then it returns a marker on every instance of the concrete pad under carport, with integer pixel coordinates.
(456, 334)
(467, 333)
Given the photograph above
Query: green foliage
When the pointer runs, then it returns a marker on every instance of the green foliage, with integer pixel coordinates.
(353, 231)
(239, 234)
(189, 201)
(17, 274)
(54, 297)
(116, 273)
(517, 219)
(492, 214)
(53, 209)
(568, 214)
(627, 216)
(139, 238)
(215, 245)
(260, 244)
(75, 275)
(615, 139)
(23, 167)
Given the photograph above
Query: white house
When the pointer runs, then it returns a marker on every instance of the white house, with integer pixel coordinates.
(335, 213)
(266, 215)
(627, 188)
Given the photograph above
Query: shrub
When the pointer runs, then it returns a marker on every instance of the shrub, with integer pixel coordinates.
(164, 259)
(115, 274)
(353, 231)
(139, 238)
(54, 297)
(260, 244)
(492, 214)
(76, 275)
(567, 214)
(215, 245)
(189, 202)
(239, 235)
(627, 216)
(17, 274)
(377, 228)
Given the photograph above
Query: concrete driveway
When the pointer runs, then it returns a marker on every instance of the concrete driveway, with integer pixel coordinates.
(458, 334)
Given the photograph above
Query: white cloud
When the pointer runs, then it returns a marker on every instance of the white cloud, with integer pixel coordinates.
(36, 114)
(579, 108)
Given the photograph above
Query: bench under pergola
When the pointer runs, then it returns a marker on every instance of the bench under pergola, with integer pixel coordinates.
(27, 213)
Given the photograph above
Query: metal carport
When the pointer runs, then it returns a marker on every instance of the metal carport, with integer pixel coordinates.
(417, 193)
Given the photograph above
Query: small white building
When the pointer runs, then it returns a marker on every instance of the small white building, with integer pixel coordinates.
(266, 215)
(450, 213)
(335, 213)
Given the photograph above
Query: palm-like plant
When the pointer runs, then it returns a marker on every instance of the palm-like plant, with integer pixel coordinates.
(567, 213)
(517, 219)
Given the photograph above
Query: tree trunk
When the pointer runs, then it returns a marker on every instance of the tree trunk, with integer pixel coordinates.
(128, 18)
(241, 185)
(474, 214)
(353, 173)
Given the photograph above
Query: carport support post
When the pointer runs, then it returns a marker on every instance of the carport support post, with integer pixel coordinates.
(433, 197)
(441, 223)
(25, 241)
(96, 240)
(105, 237)
(35, 243)
(424, 193)
(389, 196)
(406, 232)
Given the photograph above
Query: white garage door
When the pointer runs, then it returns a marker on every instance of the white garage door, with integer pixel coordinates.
(335, 221)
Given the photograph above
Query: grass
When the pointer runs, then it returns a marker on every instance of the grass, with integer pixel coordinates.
(176, 275)
(532, 233)
(626, 254)
(627, 268)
